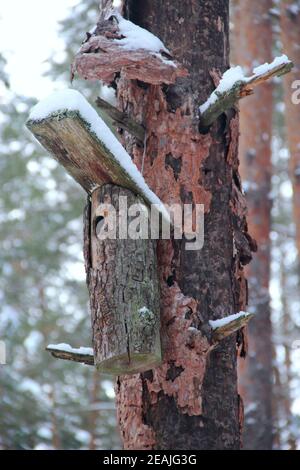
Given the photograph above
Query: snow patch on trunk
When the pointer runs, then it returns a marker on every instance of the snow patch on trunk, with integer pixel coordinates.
(136, 37)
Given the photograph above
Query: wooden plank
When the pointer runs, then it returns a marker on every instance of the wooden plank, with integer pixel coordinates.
(67, 137)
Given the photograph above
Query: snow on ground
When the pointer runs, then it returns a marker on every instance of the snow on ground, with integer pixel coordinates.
(67, 348)
(72, 100)
(236, 74)
(224, 321)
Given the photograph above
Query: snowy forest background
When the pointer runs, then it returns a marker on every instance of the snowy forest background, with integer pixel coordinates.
(49, 404)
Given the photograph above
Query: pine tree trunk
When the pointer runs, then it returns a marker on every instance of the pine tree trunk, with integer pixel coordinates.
(191, 401)
(290, 34)
(254, 39)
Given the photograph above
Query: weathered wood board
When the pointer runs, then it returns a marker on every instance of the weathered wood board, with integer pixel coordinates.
(68, 138)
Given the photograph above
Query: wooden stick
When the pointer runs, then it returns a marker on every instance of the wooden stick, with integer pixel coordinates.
(223, 331)
(71, 356)
(122, 120)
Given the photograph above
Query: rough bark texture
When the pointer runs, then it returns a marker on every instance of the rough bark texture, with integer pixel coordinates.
(290, 33)
(191, 400)
(255, 378)
(124, 293)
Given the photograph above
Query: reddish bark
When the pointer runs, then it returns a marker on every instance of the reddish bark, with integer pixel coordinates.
(253, 37)
(191, 401)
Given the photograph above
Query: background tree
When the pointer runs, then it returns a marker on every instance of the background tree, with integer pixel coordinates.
(253, 46)
(290, 35)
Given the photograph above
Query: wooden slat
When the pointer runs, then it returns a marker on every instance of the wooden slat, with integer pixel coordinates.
(67, 138)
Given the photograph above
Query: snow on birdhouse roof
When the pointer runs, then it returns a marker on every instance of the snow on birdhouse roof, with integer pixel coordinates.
(70, 100)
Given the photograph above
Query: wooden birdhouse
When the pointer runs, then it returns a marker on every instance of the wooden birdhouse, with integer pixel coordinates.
(121, 269)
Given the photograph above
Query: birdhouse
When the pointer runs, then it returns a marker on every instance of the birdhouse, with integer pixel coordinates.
(121, 267)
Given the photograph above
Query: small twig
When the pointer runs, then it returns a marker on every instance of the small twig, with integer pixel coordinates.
(122, 120)
(71, 356)
(144, 153)
(223, 331)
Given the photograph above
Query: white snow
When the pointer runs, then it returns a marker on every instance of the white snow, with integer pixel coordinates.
(72, 100)
(235, 74)
(144, 310)
(67, 348)
(229, 78)
(249, 186)
(192, 328)
(294, 8)
(137, 37)
(224, 321)
(264, 68)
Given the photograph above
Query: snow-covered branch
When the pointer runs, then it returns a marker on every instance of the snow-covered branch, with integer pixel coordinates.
(234, 85)
(66, 352)
(118, 45)
(226, 326)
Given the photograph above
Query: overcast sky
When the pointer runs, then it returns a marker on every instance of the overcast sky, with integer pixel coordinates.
(28, 36)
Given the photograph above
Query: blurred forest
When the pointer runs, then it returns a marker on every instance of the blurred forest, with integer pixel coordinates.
(49, 404)
(46, 404)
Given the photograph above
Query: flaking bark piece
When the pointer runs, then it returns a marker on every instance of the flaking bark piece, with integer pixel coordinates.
(104, 55)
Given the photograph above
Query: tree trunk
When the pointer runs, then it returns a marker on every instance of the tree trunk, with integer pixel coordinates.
(290, 34)
(254, 39)
(191, 401)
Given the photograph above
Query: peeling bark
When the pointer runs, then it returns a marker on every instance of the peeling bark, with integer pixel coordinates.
(101, 58)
